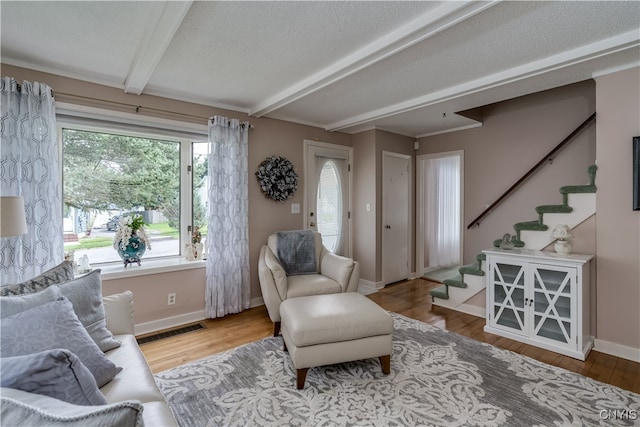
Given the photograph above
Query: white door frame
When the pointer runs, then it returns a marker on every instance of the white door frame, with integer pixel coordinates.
(421, 214)
(409, 210)
(305, 210)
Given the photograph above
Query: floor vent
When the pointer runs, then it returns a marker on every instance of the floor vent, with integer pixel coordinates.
(171, 333)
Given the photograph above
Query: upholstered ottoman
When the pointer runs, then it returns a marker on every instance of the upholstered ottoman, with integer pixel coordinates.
(334, 328)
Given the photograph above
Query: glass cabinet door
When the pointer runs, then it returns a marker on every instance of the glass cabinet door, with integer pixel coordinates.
(508, 297)
(553, 303)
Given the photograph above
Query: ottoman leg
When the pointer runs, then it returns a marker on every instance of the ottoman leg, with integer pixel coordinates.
(301, 377)
(385, 362)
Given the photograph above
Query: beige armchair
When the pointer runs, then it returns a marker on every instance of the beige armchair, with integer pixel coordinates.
(336, 274)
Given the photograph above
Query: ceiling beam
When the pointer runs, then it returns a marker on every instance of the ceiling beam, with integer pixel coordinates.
(621, 42)
(163, 21)
(421, 28)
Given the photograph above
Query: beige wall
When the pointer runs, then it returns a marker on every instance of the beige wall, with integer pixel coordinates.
(515, 134)
(364, 191)
(618, 226)
(150, 293)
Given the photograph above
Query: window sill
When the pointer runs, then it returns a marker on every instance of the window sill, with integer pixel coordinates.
(157, 266)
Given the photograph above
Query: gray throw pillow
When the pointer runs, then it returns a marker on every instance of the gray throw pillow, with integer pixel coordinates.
(85, 294)
(54, 325)
(15, 304)
(55, 373)
(62, 272)
(20, 408)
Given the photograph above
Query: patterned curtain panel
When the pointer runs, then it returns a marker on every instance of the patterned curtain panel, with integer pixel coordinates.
(228, 287)
(30, 167)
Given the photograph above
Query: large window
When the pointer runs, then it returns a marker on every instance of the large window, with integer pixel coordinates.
(108, 175)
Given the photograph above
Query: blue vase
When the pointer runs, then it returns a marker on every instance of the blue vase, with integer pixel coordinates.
(133, 251)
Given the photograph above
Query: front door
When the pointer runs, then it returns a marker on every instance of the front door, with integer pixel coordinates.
(327, 194)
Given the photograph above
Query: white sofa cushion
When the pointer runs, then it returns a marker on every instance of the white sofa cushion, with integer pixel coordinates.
(119, 313)
(20, 408)
(136, 379)
(311, 284)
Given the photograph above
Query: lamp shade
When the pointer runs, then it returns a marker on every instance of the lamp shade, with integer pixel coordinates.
(12, 218)
(562, 231)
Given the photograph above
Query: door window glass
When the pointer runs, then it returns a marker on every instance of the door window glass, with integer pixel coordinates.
(329, 205)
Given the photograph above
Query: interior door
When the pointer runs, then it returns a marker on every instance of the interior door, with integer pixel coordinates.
(327, 206)
(396, 220)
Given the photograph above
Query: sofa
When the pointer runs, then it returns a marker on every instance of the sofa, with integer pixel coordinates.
(48, 378)
(330, 274)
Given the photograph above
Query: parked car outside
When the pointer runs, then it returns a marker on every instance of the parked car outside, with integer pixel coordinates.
(112, 224)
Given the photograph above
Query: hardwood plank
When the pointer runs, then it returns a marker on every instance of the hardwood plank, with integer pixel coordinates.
(410, 298)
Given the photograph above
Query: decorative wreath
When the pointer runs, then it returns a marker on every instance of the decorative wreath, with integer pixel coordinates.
(277, 178)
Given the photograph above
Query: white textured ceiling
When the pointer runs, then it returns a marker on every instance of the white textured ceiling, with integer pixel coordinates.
(406, 67)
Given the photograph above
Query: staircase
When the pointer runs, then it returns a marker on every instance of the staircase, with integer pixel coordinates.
(578, 204)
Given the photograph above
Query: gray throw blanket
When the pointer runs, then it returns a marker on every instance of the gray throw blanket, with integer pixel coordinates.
(297, 252)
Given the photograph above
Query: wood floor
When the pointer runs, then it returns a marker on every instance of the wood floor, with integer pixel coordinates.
(411, 299)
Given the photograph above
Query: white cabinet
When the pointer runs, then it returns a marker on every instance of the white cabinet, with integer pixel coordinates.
(540, 298)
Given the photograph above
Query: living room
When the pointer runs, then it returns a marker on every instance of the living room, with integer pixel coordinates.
(514, 133)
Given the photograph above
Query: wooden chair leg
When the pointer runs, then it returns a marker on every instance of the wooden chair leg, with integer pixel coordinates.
(276, 329)
(385, 362)
(301, 378)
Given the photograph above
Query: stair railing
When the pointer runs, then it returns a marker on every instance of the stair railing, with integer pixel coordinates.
(547, 158)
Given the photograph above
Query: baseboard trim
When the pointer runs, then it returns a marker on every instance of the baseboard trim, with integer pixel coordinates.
(474, 310)
(617, 350)
(375, 286)
(168, 322)
(256, 302)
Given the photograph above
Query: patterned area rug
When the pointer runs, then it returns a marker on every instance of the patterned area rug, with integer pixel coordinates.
(437, 378)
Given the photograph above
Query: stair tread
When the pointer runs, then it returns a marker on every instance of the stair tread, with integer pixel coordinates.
(456, 282)
(471, 269)
(440, 292)
(553, 209)
(530, 225)
(578, 189)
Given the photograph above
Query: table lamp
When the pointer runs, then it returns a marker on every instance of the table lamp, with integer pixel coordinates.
(12, 218)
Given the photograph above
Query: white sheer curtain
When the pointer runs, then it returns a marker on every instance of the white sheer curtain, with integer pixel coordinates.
(30, 167)
(443, 220)
(228, 286)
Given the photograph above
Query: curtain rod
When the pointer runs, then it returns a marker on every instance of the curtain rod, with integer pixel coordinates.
(137, 108)
(19, 88)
